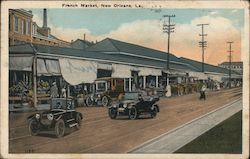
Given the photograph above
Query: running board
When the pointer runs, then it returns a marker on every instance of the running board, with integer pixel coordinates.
(72, 125)
(70, 120)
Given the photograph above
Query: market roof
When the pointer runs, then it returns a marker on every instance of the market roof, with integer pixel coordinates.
(119, 47)
(63, 51)
(207, 67)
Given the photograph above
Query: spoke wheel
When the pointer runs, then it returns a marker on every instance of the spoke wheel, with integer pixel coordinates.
(154, 112)
(133, 113)
(33, 127)
(105, 101)
(89, 102)
(59, 128)
(112, 113)
(78, 121)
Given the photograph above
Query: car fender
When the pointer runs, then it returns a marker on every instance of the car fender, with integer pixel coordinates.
(58, 118)
(157, 107)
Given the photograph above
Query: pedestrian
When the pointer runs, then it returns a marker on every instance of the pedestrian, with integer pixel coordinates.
(64, 92)
(54, 90)
(202, 92)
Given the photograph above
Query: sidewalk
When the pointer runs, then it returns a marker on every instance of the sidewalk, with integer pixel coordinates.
(175, 139)
(26, 108)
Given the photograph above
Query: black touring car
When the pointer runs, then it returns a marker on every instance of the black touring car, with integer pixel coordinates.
(134, 104)
(61, 115)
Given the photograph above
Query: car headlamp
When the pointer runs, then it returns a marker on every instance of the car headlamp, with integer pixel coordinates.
(50, 116)
(125, 105)
(98, 95)
(37, 116)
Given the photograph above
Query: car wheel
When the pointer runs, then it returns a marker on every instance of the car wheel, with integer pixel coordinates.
(154, 112)
(133, 113)
(33, 127)
(105, 101)
(59, 128)
(78, 121)
(112, 113)
(89, 102)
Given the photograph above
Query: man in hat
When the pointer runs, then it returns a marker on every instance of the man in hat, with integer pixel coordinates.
(54, 90)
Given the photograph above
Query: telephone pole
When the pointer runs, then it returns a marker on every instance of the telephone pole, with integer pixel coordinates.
(202, 43)
(230, 61)
(168, 28)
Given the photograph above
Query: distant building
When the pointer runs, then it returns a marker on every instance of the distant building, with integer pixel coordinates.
(22, 29)
(235, 66)
(81, 44)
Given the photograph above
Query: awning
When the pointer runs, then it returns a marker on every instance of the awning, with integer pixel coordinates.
(41, 68)
(48, 67)
(216, 77)
(121, 71)
(199, 75)
(144, 71)
(104, 66)
(18, 63)
(53, 67)
(78, 71)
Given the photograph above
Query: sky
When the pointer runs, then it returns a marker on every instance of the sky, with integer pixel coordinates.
(144, 27)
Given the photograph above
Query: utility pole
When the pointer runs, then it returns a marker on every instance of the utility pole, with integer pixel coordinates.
(230, 60)
(202, 43)
(168, 28)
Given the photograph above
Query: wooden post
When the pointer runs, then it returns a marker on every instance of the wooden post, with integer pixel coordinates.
(34, 81)
(156, 82)
(144, 82)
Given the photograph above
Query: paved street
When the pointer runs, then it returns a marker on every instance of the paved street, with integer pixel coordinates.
(100, 134)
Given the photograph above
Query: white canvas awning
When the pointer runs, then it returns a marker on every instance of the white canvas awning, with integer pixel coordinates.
(144, 71)
(53, 67)
(41, 68)
(199, 75)
(104, 66)
(121, 71)
(78, 71)
(19, 63)
(216, 77)
(48, 67)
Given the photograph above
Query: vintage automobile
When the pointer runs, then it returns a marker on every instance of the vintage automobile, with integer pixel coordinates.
(134, 104)
(61, 115)
(106, 89)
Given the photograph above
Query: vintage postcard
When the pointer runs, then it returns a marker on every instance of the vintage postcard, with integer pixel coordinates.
(124, 79)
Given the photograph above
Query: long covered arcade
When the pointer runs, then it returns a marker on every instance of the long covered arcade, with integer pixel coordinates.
(34, 69)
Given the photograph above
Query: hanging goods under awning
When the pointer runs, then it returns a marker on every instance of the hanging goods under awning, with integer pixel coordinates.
(121, 71)
(78, 71)
(144, 71)
(20, 63)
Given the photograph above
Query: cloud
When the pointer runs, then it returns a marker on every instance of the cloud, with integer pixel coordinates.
(183, 43)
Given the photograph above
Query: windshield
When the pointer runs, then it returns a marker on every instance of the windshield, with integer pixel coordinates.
(131, 96)
(58, 103)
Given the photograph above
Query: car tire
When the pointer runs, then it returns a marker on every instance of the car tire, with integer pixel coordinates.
(78, 121)
(33, 127)
(133, 114)
(112, 113)
(89, 102)
(59, 128)
(105, 101)
(154, 112)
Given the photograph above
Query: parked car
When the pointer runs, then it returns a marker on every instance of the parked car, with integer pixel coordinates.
(106, 89)
(61, 115)
(134, 104)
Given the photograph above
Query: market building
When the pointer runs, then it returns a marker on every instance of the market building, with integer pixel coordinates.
(38, 66)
